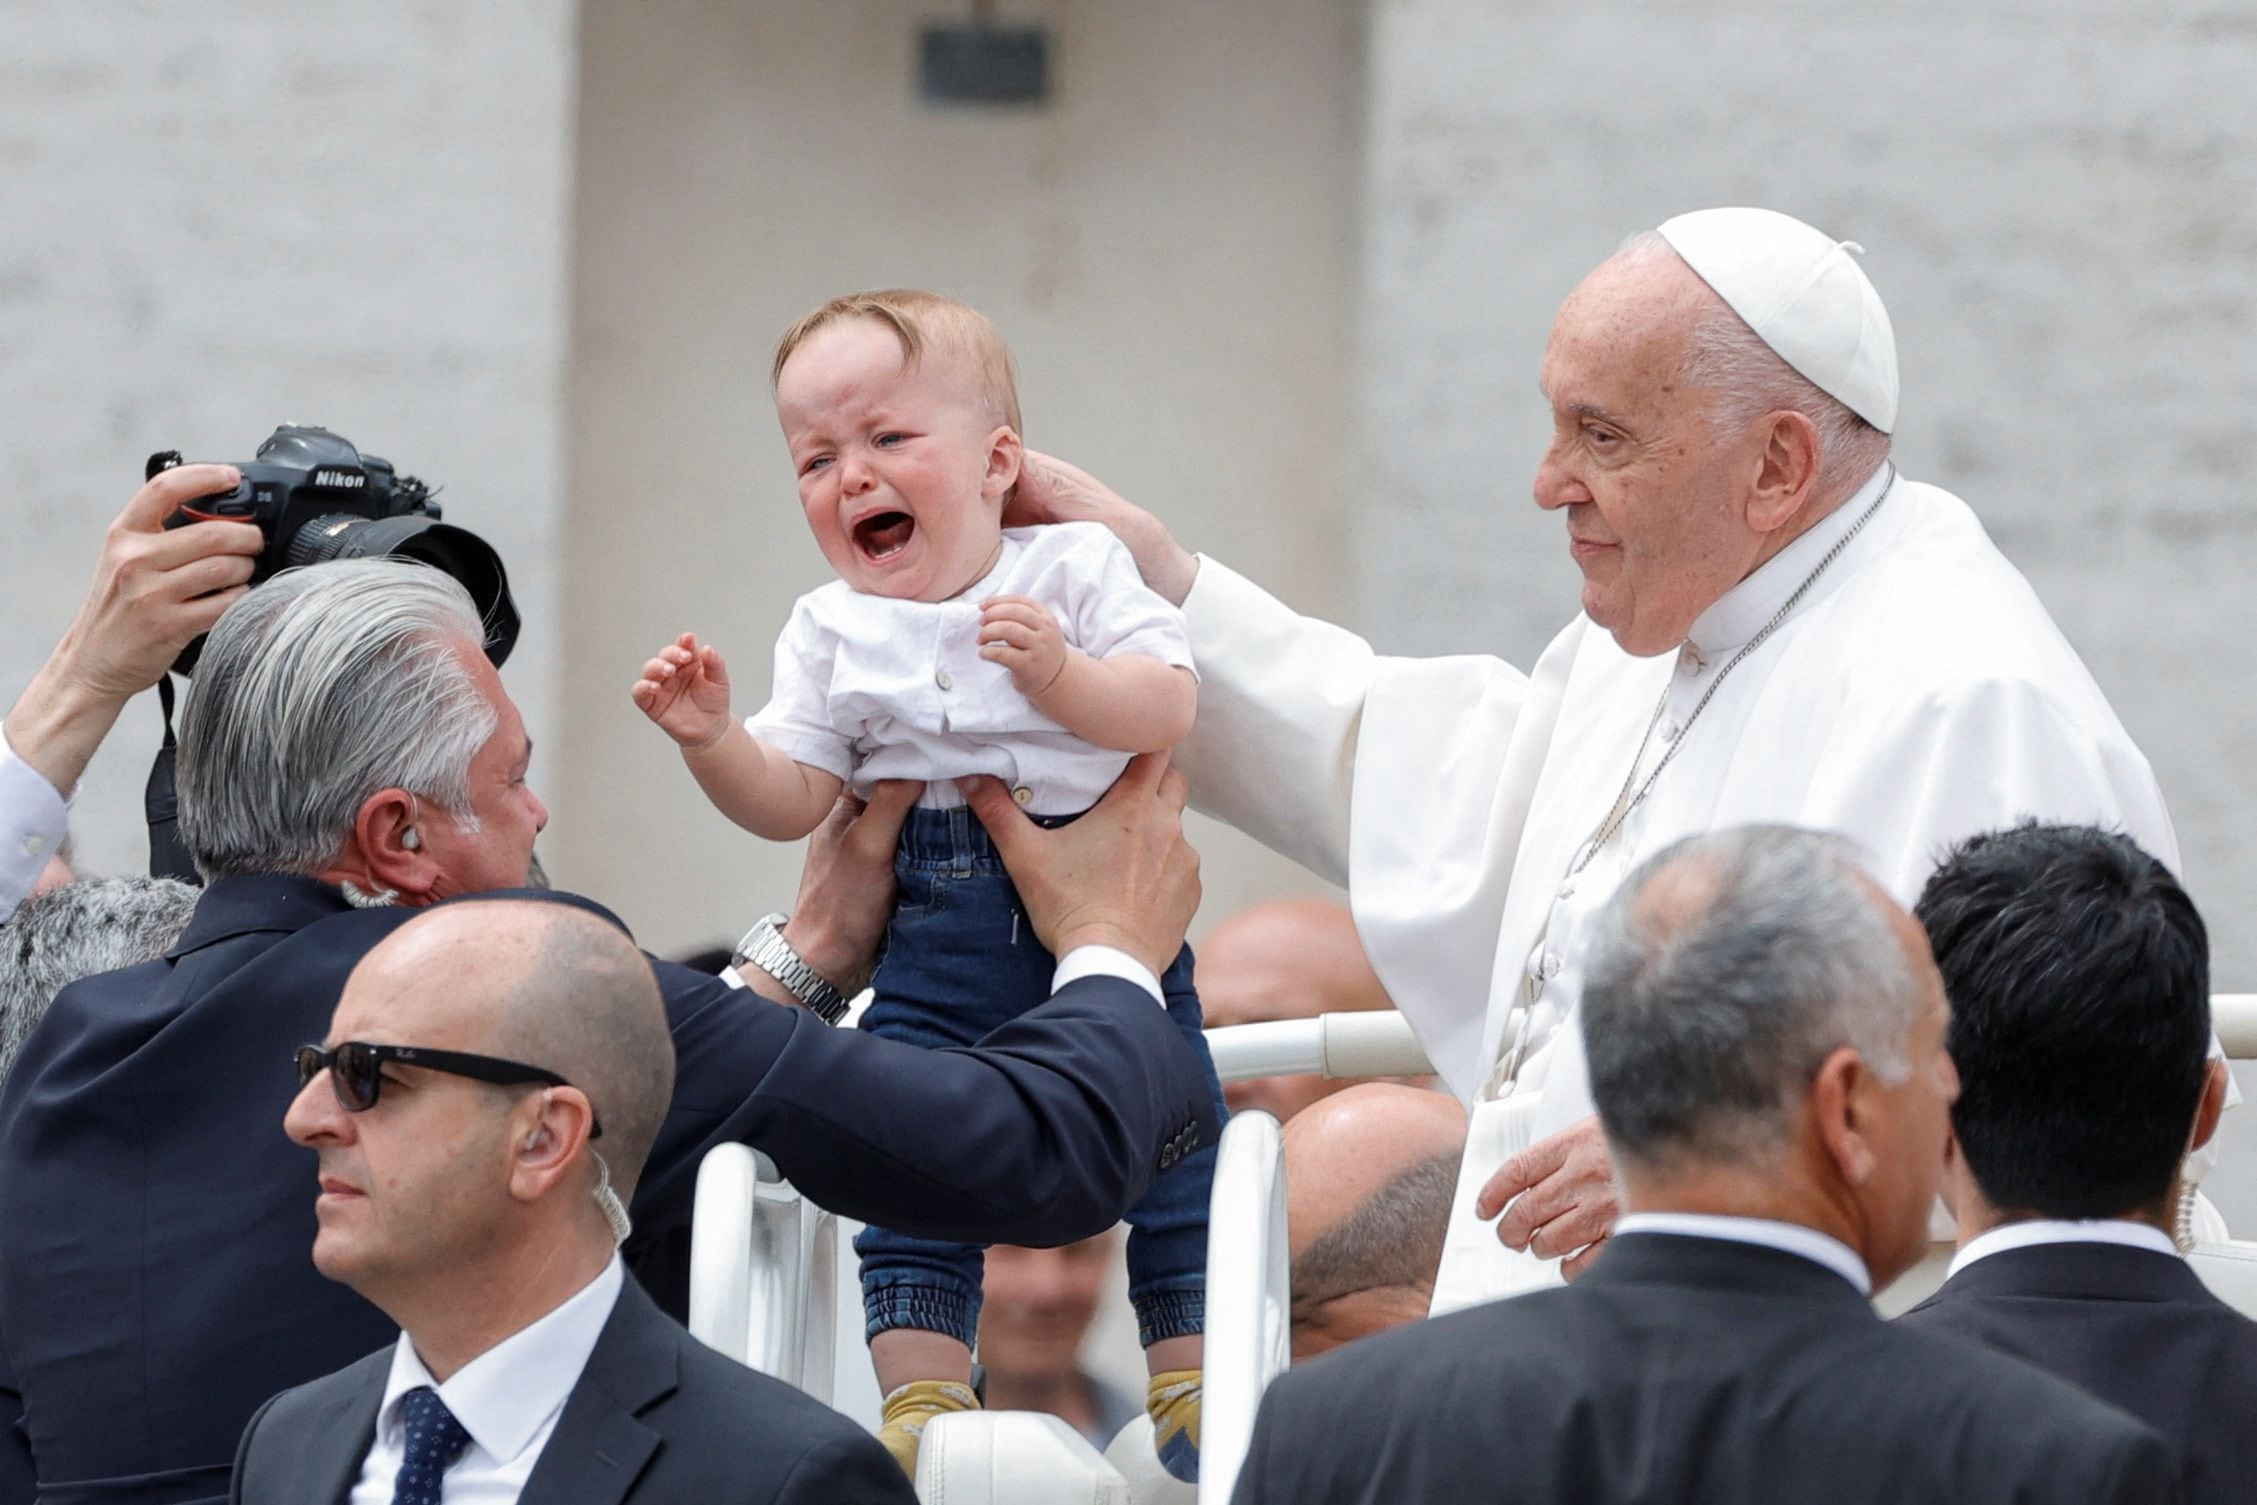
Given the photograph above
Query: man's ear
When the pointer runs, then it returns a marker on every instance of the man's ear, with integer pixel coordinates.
(1840, 1101)
(1005, 454)
(389, 845)
(550, 1139)
(2214, 1083)
(1786, 469)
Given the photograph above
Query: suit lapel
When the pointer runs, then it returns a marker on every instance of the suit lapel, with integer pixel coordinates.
(336, 1445)
(600, 1446)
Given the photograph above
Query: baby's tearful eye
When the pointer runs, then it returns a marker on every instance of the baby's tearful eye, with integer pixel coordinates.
(815, 464)
(887, 441)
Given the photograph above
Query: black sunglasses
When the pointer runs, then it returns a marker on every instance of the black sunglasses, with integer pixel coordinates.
(356, 1071)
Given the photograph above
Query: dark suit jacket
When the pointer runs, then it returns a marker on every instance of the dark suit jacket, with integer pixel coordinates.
(656, 1419)
(156, 1281)
(2133, 1326)
(1695, 1372)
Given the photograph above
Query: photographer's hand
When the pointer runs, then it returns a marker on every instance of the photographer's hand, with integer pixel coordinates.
(1121, 876)
(155, 591)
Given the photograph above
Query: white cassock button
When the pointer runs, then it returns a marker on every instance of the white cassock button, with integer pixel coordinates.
(34, 845)
(1669, 731)
(1548, 966)
(943, 680)
(1567, 889)
(1689, 660)
(1022, 794)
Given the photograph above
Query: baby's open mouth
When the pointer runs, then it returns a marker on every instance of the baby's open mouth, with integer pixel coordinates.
(884, 534)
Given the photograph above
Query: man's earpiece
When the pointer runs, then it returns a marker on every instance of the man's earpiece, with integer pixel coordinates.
(537, 1140)
(411, 840)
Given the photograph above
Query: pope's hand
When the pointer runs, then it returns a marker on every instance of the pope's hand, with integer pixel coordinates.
(1567, 1199)
(1051, 491)
(1121, 876)
(685, 689)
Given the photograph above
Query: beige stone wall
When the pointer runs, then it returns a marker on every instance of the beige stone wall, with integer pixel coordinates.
(1167, 246)
(220, 217)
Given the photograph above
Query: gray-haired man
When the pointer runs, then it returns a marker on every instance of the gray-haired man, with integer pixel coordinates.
(1767, 1056)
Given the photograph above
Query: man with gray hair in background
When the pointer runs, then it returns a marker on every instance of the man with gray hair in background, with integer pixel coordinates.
(1767, 1058)
(78, 929)
(349, 757)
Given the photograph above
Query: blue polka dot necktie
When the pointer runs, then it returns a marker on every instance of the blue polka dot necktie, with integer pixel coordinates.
(434, 1440)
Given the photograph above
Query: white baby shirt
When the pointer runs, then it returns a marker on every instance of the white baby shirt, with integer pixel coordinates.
(870, 688)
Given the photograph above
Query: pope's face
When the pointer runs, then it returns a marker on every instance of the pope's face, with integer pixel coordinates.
(902, 468)
(1654, 497)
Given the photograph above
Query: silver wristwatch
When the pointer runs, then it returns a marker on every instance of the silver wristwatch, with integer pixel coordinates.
(764, 947)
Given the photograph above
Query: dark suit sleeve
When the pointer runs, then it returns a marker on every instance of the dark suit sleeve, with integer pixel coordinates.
(1043, 1133)
(847, 1471)
(2145, 1472)
(1253, 1477)
(19, 1482)
(236, 1493)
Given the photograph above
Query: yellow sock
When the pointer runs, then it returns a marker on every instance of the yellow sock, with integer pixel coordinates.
(908, 1408)
(1172, 1400)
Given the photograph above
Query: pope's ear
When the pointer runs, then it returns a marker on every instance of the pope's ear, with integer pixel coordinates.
(1786, 470)
(1837, 1103)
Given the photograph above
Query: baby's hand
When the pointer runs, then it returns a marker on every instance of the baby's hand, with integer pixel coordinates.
(1023, 637)
(686, 691)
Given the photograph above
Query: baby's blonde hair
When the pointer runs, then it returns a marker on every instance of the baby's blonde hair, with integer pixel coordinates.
(921, 321)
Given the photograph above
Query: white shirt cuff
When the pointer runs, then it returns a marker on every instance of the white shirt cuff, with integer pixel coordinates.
(33, 818)
(1105, 961)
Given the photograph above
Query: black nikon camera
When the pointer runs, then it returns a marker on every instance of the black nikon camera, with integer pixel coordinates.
(317, 498)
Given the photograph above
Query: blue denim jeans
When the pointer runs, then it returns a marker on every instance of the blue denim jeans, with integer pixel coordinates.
(960, 961)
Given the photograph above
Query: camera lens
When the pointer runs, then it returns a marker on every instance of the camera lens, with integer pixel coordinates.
(456, 551)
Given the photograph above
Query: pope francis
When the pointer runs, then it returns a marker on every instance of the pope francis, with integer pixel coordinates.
(1776, 627)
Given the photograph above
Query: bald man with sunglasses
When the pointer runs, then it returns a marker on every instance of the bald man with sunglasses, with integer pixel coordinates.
(476, 1142)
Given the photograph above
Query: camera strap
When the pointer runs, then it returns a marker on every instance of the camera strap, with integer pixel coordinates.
(168, 856)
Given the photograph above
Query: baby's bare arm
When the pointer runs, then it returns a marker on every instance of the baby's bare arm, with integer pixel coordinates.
(1130, 703)
(760, 787)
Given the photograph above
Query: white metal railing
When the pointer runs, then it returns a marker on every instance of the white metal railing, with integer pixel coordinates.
(2234, 1017)
(1376, 1043)
(1249, 1307)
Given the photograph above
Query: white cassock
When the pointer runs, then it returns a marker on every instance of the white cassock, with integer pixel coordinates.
(1915, 695)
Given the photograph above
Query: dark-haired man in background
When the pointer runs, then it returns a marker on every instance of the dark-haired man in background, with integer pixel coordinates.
(2079, 978)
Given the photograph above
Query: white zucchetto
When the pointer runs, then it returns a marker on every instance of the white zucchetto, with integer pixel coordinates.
(1804, 295)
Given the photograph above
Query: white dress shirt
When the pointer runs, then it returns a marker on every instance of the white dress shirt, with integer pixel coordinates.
(1792, 1238)
(33, 816)
(2062, 1231)
(870, 688)
(507, 1399)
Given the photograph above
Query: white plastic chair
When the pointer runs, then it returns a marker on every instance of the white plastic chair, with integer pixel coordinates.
(1012, 1458)
(764, 1270)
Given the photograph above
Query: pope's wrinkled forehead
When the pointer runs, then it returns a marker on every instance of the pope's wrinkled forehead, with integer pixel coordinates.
(1618, 344)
